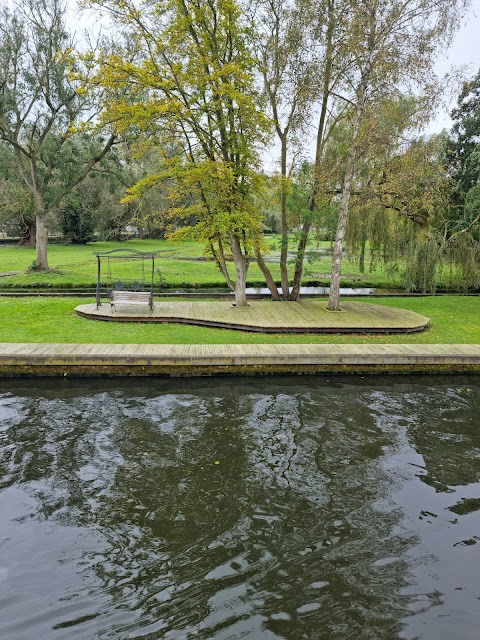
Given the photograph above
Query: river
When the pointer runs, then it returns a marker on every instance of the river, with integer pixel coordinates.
(260, 508)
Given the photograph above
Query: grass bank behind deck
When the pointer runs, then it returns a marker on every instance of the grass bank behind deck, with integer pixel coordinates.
(177, 265)
(454, 320)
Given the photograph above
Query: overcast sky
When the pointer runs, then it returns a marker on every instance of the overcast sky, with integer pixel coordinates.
(464, 52)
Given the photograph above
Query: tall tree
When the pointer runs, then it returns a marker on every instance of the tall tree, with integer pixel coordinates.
(41, 106)
(281, 41)
(389, 45)
(463, 155)
(185, 77)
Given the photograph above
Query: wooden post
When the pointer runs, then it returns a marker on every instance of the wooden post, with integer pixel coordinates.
(153, 277)
(98, 282)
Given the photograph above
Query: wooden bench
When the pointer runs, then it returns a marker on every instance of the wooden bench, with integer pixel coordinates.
(131, 297)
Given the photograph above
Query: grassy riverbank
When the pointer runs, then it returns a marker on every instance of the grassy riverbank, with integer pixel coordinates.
(454, 320)
(177, 265)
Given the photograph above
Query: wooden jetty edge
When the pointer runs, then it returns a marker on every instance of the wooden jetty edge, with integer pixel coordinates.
(79, 360)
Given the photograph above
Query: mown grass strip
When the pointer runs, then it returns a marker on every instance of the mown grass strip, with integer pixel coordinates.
(178, 265)
(454, 320)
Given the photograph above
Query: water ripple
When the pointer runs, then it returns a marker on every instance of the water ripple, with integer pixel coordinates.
(254, 509)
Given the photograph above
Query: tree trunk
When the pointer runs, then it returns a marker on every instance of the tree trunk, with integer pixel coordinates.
(334, 296)
(268, 276)
(297, 276)
(221, 263)
(241, 266)
(41, 243)
(327, 76)
(284, 224)
(28, 233)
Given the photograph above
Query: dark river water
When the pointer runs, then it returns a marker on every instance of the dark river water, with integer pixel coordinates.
(259, 508)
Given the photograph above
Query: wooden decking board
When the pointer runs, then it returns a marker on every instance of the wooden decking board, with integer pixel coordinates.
(467, 349)
(41, 359)
(159, 350)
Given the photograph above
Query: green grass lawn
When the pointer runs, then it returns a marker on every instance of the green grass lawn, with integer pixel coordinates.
(180, 265)
(454, 319)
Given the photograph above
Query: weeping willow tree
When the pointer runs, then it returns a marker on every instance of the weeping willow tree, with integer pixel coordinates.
(423, 260)
(425, 254)
(376, 236)
(462, 254)
(455, 260)
(453, 238)
(398, 214)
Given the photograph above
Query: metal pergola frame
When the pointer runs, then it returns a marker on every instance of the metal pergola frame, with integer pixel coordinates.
(126, 253)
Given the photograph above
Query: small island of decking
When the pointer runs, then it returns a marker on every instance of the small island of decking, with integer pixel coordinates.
(306, 316)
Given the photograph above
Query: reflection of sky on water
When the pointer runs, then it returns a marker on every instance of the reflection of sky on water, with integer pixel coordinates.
(332, 506)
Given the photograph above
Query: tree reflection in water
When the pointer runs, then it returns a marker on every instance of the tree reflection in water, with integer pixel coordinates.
(262, 508)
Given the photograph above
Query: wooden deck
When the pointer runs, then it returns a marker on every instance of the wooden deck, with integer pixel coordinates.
(240, 359)
(306, 316)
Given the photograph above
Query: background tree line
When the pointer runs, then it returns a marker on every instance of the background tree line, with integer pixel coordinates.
(163, 122)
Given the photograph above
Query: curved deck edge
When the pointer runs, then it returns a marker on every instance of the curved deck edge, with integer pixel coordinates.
(244, 327)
